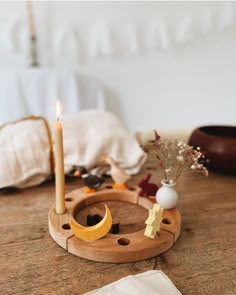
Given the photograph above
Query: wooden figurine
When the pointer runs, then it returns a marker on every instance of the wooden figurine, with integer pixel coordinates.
(79, 170)
(96, 216)
(93, 219)
(147, 188)
(95, 232)
(91, 182)
(153, 221)
(119, 176)
(115, 228)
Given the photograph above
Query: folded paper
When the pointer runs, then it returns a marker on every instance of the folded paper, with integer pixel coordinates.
(153, 282)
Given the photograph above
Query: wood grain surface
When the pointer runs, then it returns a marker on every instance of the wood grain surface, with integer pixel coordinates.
(202, 261)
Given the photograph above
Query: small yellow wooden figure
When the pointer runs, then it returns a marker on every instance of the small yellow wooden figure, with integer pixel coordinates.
(153, 221)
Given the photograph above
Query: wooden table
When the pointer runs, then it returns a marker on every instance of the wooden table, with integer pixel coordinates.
(202, 261)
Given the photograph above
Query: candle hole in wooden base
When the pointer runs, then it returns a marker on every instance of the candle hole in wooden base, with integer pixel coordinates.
(109, 186)
(166, 221)
(132, 188)
(66, 226)
(123, 242)
(69, 199)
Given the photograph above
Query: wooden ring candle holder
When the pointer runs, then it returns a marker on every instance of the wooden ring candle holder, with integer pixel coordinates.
(116, 248)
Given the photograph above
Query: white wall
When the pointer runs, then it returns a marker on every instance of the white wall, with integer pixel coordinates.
(182, 86)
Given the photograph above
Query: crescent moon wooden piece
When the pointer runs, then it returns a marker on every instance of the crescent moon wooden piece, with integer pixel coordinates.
(93, 232)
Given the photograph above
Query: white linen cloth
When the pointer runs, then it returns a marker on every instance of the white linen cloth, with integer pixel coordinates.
(25, 147)
(153, 282)
(92, 134)
(34, 91)
(24, 153)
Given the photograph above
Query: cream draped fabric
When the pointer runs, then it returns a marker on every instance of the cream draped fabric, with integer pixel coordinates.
(93, 134)
(25, 153)
(26, 148)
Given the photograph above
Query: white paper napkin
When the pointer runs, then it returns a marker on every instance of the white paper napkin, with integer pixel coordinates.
(153, 282)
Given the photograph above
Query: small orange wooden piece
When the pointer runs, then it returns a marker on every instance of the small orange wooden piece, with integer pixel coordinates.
(119, 186)
(88, 190)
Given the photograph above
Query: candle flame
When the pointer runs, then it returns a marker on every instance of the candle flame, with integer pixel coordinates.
(58, 110)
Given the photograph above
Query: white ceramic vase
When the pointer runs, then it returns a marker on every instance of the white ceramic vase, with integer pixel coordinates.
(167, 196)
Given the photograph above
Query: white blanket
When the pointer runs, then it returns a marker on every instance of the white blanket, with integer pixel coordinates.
(92, 134)
(26, 150)
(25, 155)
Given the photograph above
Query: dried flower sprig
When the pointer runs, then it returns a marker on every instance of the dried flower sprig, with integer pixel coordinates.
(175, 157)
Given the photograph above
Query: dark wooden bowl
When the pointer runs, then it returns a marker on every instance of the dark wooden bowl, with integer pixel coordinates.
(219, 145)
